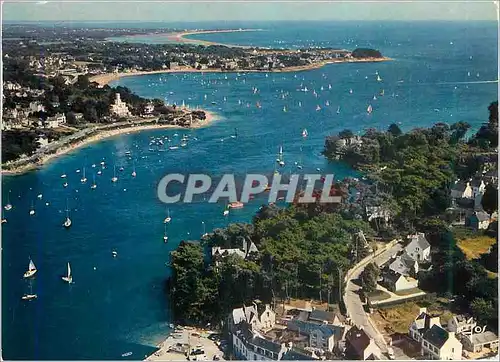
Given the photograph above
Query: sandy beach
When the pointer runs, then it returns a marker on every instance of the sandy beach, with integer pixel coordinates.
(106, 78)
(100, 135)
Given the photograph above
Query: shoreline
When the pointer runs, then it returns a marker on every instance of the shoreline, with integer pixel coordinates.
(101, 135)
(106, 78)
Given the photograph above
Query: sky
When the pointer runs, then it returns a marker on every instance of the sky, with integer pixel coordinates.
(242, 10)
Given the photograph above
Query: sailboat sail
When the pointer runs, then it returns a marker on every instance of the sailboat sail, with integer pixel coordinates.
(369, 110)
(69, 271)
(31, 266)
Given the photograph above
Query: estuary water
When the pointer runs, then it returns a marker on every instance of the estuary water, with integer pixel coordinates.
(441, 72)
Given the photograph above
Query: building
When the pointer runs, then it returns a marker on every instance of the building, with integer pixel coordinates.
(421, 324)
(419, 248)
(247, 249)
(461, 189)
(328, 337)
(250, 345)
(478, 186)
(396, 282)
(477, 342)
(119, 108)
(325, 317)
(360, 346)
(460, 324)
(404, 265)
(149, 109)
(36, 106)
(42, 141)
(55, 121)
(479, 220)
(438, 343)
(258, 315)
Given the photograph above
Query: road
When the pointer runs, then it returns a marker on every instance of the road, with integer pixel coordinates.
(353, 303)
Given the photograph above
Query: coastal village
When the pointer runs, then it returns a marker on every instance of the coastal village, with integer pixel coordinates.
(375, 302)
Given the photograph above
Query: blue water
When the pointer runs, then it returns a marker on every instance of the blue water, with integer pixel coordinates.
(121, 306)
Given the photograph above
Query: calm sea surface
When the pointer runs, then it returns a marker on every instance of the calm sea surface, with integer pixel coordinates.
(440, 73)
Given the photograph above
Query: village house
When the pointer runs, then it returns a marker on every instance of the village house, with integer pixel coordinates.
(258, 315)
(419, 248)
(328, 337)
(360, 346)
(438, 343)
(478, 186)
(479, 220)
(247, 249)
(421, 324)
(405, 265)
(460, 323)
(325, 317)
(477, 342)
(461, 189)
(396, 282)
(36, 106)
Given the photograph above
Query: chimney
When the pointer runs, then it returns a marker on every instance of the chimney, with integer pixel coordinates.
(451, 335)
(422, 310)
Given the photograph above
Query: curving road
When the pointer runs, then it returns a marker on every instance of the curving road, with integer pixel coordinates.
(354, 306)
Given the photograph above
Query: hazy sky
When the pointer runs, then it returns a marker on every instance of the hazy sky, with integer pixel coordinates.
(172, 10)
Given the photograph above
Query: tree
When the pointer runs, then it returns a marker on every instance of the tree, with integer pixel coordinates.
(459, 130)
(483, 310)
(369, 277)
(489, 202)
(394, 130)
(71, 118)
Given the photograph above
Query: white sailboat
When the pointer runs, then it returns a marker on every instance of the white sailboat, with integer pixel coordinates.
(32, 210)
(350, 91)
(67, 222)
(280, 160)
(94, 185)
(84, 178)
(68, 278)
(284, 109)
(8, 206)
(304, 133)
(63, 175)
(205, 234)
(318, 108)
(133, 170)
(378, 78)
(31, 270)
(65, 184)
(114, 178)
(165, 236)
(369, 110)
(30, 295)
(338, 110)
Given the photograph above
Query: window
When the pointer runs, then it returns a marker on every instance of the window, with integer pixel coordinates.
(255, 357)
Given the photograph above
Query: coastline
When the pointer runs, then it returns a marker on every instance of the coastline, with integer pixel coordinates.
(106, 78)
(99, 136)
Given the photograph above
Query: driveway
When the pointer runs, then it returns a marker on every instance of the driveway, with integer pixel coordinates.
(354, 306)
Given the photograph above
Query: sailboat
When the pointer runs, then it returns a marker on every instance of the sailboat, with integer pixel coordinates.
(114, 178)
(382, 92)
(65, 184)
(226, 211)
(30, 295)
(94, 185)
(350, 91)
(205, 234)
(133, 172)
(32, 210)
(280, 157)
(300, 104)
(329, 86)
(327, 103)
(63, 175)
(8, 206)
(84, 178)
(31, 270)
(369, 110)
(318, 108)
(168, 218)
(165, 236)
(67, 222)
(304, 133)
(258, 105)
(374, 97)
(284, 109)
(235, 133)
(338, 110)
(378, 78)
(68, 278)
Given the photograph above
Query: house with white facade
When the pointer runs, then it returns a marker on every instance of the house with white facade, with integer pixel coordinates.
(404, 264)
(461, 189)
(259, 316)
(438, 343)
(56, 121)
(248, 248)
(119, 108)
(419, 248)
(478, 186)
(479, 220)
(396, 282)
(421, 324)
(461, 323)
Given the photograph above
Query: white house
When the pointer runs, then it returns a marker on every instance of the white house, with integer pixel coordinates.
(55, 121)
(247, 248)
(405, 265)
(259, 316)
(461, 323)
(119, 108)
(396, 282)
(478, 186)
(461, 189)
(419, 248)
(438, 343)
(421, 324)
(479, 220)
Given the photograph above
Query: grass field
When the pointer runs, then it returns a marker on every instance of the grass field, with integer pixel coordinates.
(474, 246)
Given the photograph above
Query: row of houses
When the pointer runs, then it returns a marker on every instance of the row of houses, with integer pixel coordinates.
(300, 333)
(440, 343)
